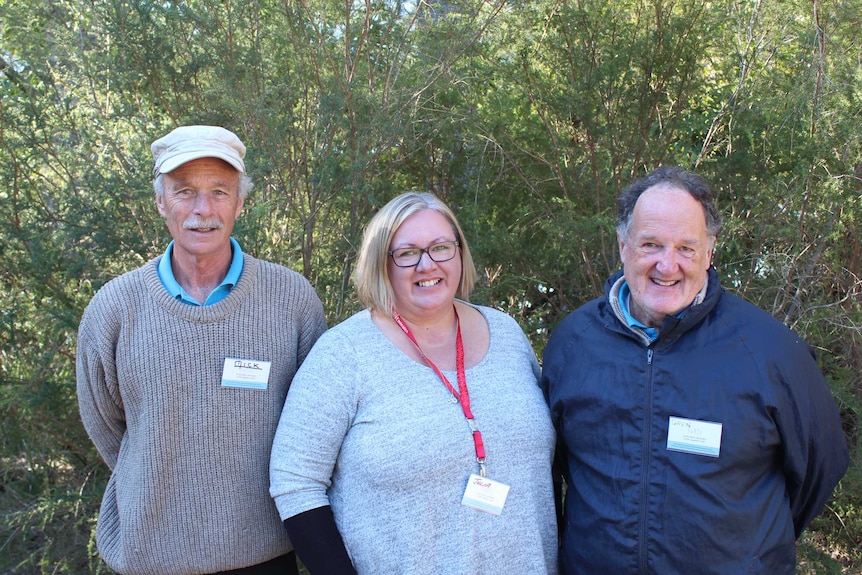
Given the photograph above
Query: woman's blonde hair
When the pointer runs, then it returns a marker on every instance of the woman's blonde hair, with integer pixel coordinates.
(371, 276)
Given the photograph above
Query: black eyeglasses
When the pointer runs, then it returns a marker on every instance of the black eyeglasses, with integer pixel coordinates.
(409, 257)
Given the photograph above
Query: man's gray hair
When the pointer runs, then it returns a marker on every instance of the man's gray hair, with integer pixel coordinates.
(675, 177)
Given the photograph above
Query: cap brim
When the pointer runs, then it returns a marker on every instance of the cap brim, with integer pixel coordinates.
(174, 162)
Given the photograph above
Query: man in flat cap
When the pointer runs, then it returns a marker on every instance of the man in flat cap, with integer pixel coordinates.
(183, 366)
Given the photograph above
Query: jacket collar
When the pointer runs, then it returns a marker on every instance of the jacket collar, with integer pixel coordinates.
(671, 327)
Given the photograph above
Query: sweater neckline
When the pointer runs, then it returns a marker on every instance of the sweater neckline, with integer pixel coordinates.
(201, 314)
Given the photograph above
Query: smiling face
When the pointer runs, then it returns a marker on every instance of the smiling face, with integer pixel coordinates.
(666, 253)
(429, 287)
(200, 204)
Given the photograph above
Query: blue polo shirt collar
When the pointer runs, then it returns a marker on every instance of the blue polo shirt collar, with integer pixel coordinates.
(166, 274)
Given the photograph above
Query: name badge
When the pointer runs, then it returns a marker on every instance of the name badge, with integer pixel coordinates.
(485, 494)
(693, 436)
(244, 373)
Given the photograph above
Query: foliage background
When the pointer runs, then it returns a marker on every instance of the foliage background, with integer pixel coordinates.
(527, 117)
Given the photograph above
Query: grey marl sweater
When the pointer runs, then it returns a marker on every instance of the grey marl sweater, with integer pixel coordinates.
(189, 457)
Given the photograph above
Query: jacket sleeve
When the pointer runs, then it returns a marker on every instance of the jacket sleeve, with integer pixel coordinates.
(815, 448)
(99, 400)
(553, 358)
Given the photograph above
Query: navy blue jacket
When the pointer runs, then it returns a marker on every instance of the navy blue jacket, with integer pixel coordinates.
(632, 505)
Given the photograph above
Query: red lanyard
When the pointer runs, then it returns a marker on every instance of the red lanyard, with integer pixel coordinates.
(462, 394)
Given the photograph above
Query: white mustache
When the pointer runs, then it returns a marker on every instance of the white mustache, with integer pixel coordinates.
(193, 224)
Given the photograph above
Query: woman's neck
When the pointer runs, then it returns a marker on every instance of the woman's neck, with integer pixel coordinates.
(431, 328)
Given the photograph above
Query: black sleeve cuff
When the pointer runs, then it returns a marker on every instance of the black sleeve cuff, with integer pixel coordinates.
(318, 543)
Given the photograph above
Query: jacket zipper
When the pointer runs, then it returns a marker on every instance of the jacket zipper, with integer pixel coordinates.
(645, 458)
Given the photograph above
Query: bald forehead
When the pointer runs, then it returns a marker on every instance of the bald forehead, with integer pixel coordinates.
(668, 198)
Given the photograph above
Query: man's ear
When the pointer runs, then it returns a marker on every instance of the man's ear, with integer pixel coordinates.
(710, 252)
(621, 243)
(160, 204)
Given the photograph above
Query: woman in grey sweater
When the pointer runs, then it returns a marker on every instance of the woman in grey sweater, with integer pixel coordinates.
(415, 439)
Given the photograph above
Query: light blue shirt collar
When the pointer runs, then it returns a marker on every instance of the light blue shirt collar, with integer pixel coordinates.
(651, 332)
(166, 274)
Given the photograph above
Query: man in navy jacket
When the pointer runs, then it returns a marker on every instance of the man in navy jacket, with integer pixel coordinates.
(696, 432)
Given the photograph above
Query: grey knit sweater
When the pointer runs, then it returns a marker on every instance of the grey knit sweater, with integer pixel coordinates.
(188, 493)
(378, 437)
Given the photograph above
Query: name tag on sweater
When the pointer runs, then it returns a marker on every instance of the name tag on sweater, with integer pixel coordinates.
(693, 436)
(245, 373)
(485, 494)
